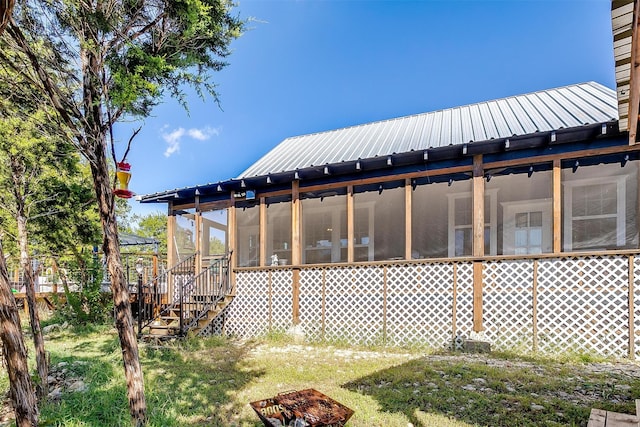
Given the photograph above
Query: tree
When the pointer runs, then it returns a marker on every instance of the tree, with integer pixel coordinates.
(153, 225)
(15, 353)
(129, 53)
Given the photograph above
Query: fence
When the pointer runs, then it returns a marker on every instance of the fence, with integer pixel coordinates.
(579, 303)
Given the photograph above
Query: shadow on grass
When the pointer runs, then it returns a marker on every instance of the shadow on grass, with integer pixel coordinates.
(484, 395)
(179, 391)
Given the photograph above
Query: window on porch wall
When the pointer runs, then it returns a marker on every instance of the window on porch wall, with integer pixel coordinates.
(379, 222)
(324, 228)
(184, 244)
(524, 212)
(429, 221)
(600, 207)
(278, 238)
(248, 235)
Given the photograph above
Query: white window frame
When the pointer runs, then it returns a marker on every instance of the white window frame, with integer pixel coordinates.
(509, 212)
(621, 214)
(492, 224)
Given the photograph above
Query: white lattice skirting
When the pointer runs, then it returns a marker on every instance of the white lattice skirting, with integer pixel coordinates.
(550, 305)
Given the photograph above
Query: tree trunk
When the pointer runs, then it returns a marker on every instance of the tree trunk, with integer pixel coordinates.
(34, 319)
(124, 318)
(24, 400)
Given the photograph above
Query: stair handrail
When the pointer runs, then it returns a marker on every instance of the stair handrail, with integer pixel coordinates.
(149, 312)
(215, 281)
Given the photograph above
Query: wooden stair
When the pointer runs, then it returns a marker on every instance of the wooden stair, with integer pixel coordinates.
(168, 325)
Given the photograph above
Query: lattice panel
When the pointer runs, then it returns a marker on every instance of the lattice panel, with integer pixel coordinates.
(420, 304)
(582, 305)
(354, 305)
(311, 303)
(248, 313)
(464, 302)
(508, 304)
(281, 299)
(636, 305)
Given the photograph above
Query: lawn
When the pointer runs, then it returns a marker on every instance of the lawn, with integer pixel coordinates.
(210, 382)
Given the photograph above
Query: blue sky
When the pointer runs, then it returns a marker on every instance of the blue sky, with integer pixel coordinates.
(308, 66)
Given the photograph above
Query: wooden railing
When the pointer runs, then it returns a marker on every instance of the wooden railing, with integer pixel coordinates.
(153, 294)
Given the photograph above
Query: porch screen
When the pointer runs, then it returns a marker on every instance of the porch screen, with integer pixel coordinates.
(184, 239)
(324, 228)
(522, 201)
(429, 221)
(600, 204)
(278, 233)
(214, 233)
(379, 222)
(248, 245)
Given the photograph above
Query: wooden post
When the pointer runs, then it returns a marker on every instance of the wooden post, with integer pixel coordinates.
(454, 309)
(296, 250)
(324, 302)
(350, 226)
(171, 247)
(262, 233)
(478, 240)
(198, 237)
(233, 238)
(408, 197)
(384, 306)
(535, 305)
(632, 315)
(295, 296)
(557, 207)
(634, 77)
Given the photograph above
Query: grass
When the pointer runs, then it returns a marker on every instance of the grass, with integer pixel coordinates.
(209, 382)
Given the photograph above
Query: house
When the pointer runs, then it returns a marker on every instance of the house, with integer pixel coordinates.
(514, 219)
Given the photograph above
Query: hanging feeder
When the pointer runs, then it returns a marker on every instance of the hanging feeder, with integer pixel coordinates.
(123, 175)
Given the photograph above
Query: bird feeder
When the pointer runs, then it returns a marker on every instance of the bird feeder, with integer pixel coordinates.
(123, 175)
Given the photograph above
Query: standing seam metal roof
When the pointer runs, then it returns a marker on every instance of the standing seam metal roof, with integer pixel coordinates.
(548, 110)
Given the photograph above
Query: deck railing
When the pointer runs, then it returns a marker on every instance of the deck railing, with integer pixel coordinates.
(152, 295)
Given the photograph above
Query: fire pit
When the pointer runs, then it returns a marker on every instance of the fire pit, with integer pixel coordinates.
(304, 408)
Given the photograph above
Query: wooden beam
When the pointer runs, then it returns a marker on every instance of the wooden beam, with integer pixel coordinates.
(262, 233)
(233, 239)
(350, 226)
(198, 237)
(408, 194)
(478, 240)
(478, 206)
(477, 296)
(557, 207)
(631, 307)
(634, 84)
(296, 250)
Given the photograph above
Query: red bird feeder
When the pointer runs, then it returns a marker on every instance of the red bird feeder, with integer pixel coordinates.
(123, 175)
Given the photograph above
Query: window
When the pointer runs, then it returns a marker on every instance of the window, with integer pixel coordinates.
(527, 227)
(595, 213)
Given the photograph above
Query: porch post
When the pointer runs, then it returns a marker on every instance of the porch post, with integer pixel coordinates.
(408, 197)
(478, 239)
(171, 248)
(350, 229)
(262, 232)
(557, 207)
(233, 236)
(198, 236)
(296, 253)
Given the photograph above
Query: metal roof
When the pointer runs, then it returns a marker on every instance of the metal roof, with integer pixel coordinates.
(622, 23)
(544, 111)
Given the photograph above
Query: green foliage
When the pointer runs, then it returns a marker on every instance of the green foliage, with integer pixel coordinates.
(85, 302)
